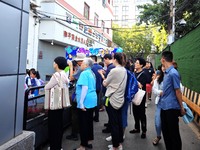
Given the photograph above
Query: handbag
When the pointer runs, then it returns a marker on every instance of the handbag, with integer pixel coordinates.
(138, 97)
(57, 97)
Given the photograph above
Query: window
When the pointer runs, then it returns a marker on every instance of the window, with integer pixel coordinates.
(107, 30)
(96, 19)
(116, 18)
(86, 11)
(104, 3)
(124, 17)
(116, 9)
(125, 9)
(102, 25)
(68, 18)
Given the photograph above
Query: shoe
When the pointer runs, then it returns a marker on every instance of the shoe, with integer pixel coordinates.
(156, 140)
(119, 147)
(105, 124)
(143, 135)
(134, 131)
(109, 138)
(106, 130)
(49, 148)
(89, 146)
(72, 137)
(146, 105)
(95, 119)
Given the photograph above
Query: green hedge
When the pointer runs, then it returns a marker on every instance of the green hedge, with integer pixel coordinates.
(187, 55)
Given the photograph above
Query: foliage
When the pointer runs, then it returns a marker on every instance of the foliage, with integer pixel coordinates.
(158, 13)
(138, 40)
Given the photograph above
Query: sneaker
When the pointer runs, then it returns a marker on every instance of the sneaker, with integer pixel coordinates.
(111, 147)
(109, 138)
(145, 104)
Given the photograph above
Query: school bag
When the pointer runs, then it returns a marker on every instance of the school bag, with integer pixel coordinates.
(131, 86)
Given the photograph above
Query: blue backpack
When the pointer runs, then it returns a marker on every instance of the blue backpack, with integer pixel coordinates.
(131, 86)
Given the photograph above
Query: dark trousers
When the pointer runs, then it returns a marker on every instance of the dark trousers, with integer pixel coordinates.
(55, 128)
(86, 126)
(115, 120)
(170, 129)
(139, 113)
(75, 123)
(96, 112)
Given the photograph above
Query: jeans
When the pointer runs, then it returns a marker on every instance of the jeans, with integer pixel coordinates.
(158, 121)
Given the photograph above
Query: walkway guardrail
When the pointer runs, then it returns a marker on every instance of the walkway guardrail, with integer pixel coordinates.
(36, 117)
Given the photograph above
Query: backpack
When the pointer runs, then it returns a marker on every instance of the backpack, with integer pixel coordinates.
(131, 86)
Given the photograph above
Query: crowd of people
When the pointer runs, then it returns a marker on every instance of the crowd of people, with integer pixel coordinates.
(100, 86)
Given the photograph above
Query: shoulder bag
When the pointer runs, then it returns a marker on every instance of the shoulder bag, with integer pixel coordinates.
(57, 97)
(139, 95)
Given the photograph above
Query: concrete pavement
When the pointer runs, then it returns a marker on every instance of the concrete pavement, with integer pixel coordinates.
(190, 135)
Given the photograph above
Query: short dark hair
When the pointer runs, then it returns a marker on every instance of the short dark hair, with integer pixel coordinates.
(141, 61)
(94, 57)
(61, 62)
(107, 56)
(168, 56)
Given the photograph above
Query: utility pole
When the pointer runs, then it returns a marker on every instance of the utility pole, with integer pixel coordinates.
(171, 29)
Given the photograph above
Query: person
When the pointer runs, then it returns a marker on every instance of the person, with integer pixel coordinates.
(157, 90)
(108, 63)
(149, 71)
(116, 84)
(139, 112)
(38, 79)
(95, 69)
(171, 104)
(27, 81)
(74, 75)
(33, 75)
(86, 102)
(55, 117)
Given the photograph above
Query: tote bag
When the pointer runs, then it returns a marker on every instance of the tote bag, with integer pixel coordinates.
(138, 97)
(58, 97)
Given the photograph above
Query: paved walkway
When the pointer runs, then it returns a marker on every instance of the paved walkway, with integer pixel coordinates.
(189, 133)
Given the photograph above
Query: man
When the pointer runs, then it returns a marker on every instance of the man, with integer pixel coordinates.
(74, 77)
(108, 62)
(149, 71)
(171, 104)
(95, 69)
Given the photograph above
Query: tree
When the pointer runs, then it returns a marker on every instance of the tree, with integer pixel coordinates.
(138, 40)
(158, 13)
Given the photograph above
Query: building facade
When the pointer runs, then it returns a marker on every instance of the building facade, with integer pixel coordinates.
(64, 23)
(126, 12)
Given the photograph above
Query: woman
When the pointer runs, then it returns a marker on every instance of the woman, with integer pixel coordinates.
(157, 90)
(55, 117)
(139, 111)
(86, 102)
(116, 85)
